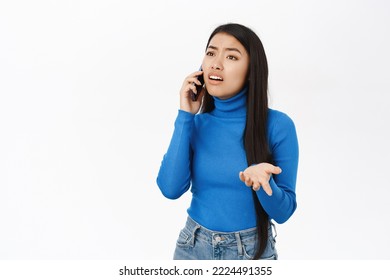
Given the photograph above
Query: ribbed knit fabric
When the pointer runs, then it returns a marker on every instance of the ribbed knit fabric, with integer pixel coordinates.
(205, 156)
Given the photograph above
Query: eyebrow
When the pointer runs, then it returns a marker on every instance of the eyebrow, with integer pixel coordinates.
(228, 49)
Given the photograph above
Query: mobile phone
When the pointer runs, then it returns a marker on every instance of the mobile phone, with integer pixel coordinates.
(194, 96)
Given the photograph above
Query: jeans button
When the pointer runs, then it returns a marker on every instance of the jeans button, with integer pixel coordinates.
(218, 238)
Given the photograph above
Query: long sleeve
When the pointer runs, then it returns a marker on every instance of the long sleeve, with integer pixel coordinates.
(284, 147)
(174, 176)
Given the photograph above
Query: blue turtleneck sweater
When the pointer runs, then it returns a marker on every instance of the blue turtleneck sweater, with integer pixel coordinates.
(206, 154)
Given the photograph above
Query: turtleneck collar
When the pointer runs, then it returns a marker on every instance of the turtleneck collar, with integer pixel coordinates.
(232, 107)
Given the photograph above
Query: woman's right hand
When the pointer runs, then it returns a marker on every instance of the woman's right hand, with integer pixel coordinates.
(186, 103)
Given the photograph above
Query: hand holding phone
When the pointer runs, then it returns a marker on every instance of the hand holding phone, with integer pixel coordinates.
(191, 92)
(194, 96)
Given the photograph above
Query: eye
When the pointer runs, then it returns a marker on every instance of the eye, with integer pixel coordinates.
(210, 53)
(231, 57)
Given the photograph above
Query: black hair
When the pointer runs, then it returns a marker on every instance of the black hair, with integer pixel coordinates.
(255, 133)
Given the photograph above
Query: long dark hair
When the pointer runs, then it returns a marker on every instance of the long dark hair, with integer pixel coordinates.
(255, 133)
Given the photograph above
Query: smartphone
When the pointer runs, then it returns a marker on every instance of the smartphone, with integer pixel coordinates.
(194, 96)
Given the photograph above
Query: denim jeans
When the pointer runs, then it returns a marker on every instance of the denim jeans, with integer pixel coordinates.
(196, 242)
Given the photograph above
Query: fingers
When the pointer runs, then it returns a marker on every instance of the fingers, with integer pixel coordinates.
(191, 83)
(191, 93)
(192, 87)
(193, 78)
(255, 182)
(265, 185)
(276, 170)
(246, 179)
(256, 186)
(267, 188)
(271, 169)
(242, 176)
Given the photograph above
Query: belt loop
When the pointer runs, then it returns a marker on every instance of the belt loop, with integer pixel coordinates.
(239, 243)
(274, 229)
(193, 234)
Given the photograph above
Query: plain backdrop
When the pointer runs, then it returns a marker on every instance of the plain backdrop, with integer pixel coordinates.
(89, 91)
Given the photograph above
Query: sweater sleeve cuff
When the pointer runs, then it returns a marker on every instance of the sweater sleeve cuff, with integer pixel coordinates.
(277, 193)
(185, 116)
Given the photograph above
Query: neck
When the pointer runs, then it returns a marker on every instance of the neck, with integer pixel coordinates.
(232, 107)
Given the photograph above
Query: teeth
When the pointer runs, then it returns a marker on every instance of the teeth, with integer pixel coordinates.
(215, 78)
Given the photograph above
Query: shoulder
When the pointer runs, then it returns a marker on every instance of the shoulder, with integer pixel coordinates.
(278, 118)
(280, 126)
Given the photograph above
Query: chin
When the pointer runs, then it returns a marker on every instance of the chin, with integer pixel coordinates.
(216, 92)
(221, 94)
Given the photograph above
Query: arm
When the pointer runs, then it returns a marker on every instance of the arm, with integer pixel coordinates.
(277, 192)
(174, 176)
(175, 171)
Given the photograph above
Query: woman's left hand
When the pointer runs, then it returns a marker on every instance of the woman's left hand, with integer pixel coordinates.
(258, 175)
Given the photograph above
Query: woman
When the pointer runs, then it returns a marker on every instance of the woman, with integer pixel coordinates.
(238, 157)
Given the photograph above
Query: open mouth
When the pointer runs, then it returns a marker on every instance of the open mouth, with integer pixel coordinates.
(215, 78)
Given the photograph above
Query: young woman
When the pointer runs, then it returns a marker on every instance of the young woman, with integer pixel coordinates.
(238, 157)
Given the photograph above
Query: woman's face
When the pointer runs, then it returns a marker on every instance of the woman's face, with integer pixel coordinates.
(225, 66)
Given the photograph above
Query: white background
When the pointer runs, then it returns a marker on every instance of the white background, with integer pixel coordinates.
(88, 97)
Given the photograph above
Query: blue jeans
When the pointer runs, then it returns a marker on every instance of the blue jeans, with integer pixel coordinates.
(196, 242)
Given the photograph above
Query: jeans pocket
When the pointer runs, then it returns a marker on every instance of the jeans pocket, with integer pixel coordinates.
(270, 251)
(249, 250)
(184, 238)
(272, 257)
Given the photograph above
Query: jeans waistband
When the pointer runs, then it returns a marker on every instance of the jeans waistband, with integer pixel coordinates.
(220, 237)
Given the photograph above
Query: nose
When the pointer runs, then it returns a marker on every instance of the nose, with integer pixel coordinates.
(216, 64)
